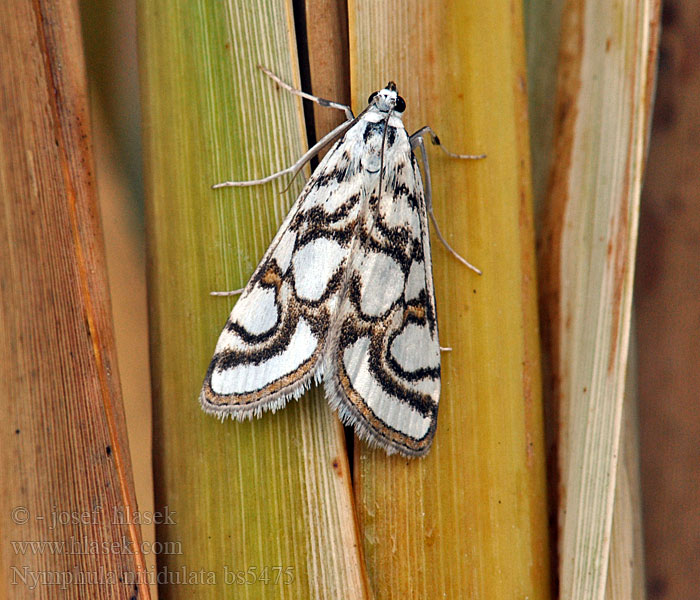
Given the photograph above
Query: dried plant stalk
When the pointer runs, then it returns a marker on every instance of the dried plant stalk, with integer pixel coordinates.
(603, 108)
(470, 519)
(66, 472)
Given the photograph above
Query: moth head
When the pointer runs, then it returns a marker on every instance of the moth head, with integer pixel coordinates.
(388, 99)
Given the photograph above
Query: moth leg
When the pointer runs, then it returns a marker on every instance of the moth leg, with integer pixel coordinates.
(297, 166)
(418, 142)
(231, 293)
(418, 135)
(316, 99)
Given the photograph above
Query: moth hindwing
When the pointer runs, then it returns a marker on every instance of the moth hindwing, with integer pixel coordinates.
(344, 295)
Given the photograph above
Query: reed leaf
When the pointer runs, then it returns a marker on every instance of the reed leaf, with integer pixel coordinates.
(625, 579)
(66, 489)
(603, 100)
(470, 519)
(256, 497)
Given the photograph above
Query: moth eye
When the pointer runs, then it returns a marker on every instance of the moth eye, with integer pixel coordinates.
(400, 105)
(371, 97)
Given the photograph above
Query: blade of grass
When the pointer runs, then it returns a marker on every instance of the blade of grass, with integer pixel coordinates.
(275, 492)
(626, 567)
(625, 579)
(603, 105)
(66, 472)
(470, 519)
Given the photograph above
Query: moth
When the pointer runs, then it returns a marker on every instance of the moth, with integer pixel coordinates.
(344, 294)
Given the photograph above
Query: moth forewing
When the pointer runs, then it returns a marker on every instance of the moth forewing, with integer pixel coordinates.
(383, 361)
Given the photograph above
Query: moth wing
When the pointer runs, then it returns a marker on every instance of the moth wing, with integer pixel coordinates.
(269, 349)
(382, 369)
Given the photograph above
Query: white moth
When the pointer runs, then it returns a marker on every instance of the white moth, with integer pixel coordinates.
(344, 294)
